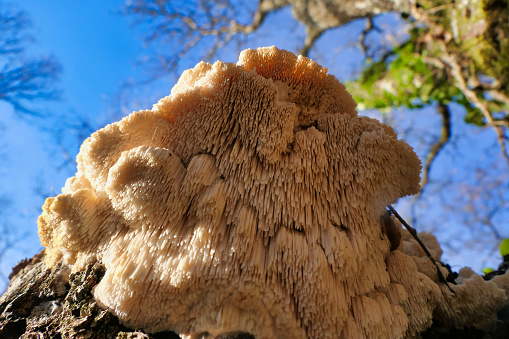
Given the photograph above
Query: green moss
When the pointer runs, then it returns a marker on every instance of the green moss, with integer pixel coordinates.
(496, 55)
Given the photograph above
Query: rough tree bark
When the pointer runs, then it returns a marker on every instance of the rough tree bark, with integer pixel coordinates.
(43, 303)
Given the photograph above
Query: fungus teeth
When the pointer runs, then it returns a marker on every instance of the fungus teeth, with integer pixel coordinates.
(248, 200)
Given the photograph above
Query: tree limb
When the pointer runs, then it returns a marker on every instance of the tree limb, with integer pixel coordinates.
(456, 73)
(311, 36)
(445, 135)
(472, 97)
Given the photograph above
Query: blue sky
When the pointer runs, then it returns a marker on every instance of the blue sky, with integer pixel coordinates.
(95, 45)
(98, 49)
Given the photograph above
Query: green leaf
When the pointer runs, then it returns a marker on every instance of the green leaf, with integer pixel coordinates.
(474, 116)
(426, 91)
(504, 247)
(487, 270)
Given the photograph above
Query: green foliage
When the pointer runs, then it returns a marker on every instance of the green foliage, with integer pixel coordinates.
(414, 75)
(474, 115)
(406, 77)
(504, 247)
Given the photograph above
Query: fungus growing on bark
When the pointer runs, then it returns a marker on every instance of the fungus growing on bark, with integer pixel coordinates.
(247, 200)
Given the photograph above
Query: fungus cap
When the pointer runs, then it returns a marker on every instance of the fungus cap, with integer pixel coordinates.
(247, 200)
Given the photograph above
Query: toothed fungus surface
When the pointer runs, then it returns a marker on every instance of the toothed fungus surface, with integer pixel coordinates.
(247, 200)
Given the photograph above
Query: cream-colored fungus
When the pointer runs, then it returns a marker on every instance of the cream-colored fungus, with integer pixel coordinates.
(250, 200)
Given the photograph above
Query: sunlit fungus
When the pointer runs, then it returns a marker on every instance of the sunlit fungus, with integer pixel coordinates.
(247, 200)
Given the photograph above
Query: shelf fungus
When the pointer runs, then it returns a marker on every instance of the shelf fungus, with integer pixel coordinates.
(249, 200)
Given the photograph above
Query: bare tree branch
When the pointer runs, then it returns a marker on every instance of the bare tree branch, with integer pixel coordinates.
(472, 97)
(445, 135)
(23, 80)
(362, 38)
(189, 24)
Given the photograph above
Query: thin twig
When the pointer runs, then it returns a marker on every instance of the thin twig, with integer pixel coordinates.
(233, 28)
(413, 232)
(370, 26)
(488, 221)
